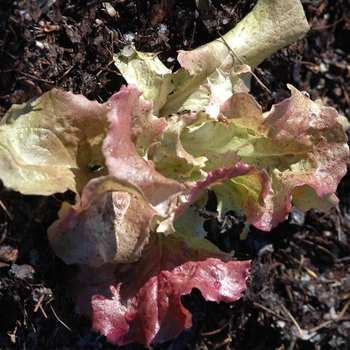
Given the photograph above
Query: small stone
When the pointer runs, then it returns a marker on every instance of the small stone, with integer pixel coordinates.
(8, 254)
(22, 271)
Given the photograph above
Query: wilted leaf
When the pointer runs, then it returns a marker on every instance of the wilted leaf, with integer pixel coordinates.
(110, 226)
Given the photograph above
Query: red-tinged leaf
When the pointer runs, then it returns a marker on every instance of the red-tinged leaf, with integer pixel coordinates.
(232, 185)
(300, 143)
(110, 222)
(140, 302)
(121, 156)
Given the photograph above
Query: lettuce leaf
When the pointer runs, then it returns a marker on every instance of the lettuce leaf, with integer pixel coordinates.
(296, 153)
(271, 25)
(52, 143)
(121, 156)
(147, 72)
(143, 304)
(111, 223)
(142, 161)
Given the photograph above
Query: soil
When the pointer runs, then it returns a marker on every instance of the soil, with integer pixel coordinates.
(298, 294)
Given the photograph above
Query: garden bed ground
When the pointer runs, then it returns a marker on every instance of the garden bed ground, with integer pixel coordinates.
(298, 295)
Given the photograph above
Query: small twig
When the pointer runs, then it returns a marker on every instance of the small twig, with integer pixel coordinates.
(342, 312)
(226, 341)
(39, 303)
(328, 25)
(219, 329)
(34, 77)
(107, 70)
(310, 272)
(335, 258)
(294, 320)
(271, 312)
(59, 319)
(288, 289)
(2, 205)
(338, 318)
(43, 311)
(193, 34)
(242, 63)
(347, 258)
(322, 325)
(234, 8)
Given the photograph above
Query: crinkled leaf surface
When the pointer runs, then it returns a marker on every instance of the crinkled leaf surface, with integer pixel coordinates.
(241, 188)
(143, 303)
(296, 153)
(51, 143)
(147, 72)
(170, 156)
(151, 170)
(125, 163)
(111, 222)
(300, 143)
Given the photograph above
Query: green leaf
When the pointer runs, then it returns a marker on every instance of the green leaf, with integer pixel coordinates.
(271, 25)
(52, 143)
(147, 72)
(298, 144)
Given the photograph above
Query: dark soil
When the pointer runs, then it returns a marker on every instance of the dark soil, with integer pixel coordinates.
(298, 295)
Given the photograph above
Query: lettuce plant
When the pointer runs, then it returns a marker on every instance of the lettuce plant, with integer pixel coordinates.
(141, 163)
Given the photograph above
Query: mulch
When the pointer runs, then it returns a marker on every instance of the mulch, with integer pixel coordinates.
(298, 294)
